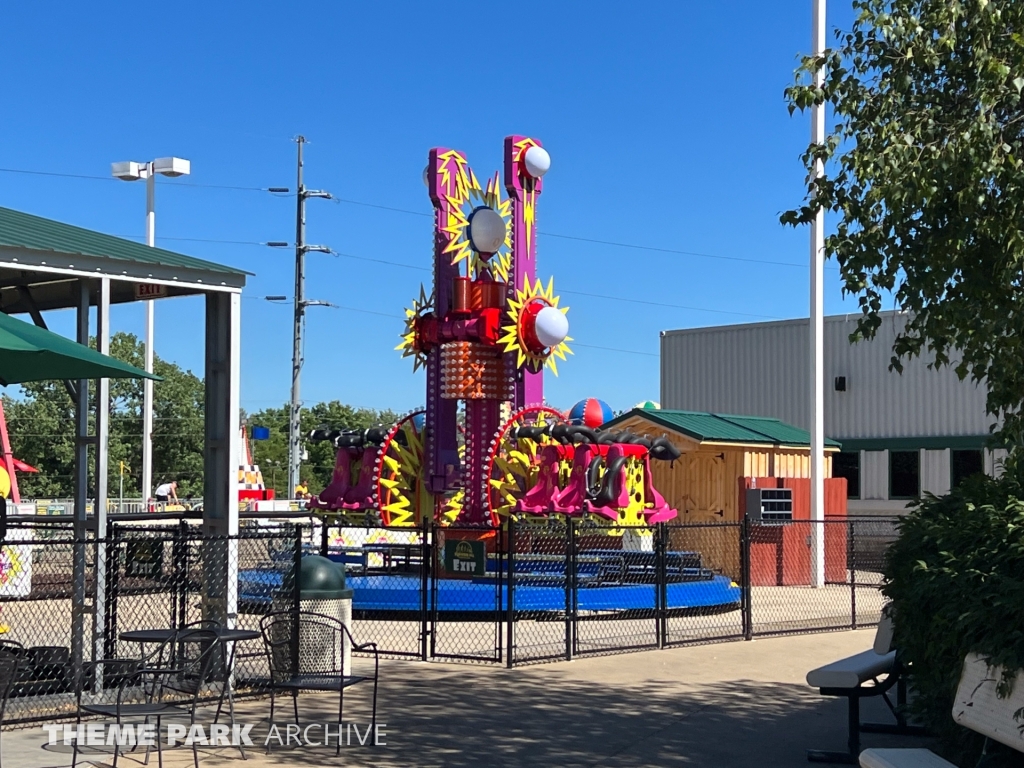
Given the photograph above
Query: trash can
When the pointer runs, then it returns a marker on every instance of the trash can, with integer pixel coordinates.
(323, 590)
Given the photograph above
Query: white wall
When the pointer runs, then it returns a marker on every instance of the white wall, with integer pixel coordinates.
(874, 475)
(760, 369)
(993, 462)
(935, 472)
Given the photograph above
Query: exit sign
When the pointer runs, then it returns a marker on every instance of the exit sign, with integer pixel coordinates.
(150, 291)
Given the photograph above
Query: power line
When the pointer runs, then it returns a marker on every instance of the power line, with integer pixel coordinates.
(580, 293)
(198, 240)
(577, 238)
(383, 207)
(111, 178)
(382, 261)
(669, 306)
(613, 349)
(673, 250)
(595, 240)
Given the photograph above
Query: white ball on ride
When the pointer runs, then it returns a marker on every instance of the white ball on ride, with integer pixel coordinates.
(537, 161)
(486, 230)
(551, 326)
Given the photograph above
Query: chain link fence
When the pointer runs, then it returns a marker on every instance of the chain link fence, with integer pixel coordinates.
(532, 591)
(73, 625)
(783, 597)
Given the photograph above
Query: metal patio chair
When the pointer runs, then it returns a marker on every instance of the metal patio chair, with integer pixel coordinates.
(318, 669)
(10, 661)
(156, 687)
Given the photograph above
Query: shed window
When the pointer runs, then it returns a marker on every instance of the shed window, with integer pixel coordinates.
(965, 464)
(904, 474)
(847, 464)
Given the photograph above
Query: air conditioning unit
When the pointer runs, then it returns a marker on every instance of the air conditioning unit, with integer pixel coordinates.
(770, 505)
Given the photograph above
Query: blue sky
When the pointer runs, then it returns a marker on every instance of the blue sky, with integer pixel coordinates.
(665, 122)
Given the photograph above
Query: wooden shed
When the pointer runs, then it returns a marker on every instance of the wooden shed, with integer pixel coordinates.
(722, 454)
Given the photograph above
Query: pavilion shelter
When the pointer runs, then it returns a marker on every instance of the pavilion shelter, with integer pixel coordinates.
(47, 265)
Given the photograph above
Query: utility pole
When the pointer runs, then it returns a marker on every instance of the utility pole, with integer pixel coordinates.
(301, 249)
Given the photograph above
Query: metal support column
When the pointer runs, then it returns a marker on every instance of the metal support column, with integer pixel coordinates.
(81, 490)
(100, 508)
(221, 459)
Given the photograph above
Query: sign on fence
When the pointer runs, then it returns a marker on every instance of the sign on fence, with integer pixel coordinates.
(465, 557)
(16, 563)
(144, 558)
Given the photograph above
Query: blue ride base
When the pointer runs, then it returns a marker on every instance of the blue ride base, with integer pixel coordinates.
(400, 596)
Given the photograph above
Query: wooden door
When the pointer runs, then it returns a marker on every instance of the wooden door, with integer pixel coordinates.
(702, 504)
(704, 490)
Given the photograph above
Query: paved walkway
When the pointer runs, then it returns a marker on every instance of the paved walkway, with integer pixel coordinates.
(733, 704)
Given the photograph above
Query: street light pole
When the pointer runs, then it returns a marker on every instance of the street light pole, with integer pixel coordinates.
(135, 171)
(817, 317)
(147, 384)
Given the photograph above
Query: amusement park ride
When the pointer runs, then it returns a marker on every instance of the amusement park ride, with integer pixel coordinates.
(484, 335)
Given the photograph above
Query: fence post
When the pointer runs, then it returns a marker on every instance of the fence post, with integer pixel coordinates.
(426, 558)
(510, 611)
(325, 530)
(570, 586)
(851, 562)
(112, 588)
(436, 540)
(747, 605)
(500, 558)
(185, 583)
(296, 595)
(179, 575)
(661, 583)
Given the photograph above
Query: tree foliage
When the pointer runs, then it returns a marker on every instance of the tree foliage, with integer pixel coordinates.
(956, 580)
(925, 167)
(272, 455)
(42, 431)
(41, 428)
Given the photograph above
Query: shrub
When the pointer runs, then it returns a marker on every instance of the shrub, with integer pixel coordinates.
(955, 577)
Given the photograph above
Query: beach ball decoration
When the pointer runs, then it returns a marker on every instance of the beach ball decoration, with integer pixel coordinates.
(591, 413)
(648, 405)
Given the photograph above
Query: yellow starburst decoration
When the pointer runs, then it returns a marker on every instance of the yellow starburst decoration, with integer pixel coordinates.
(408, 346)
(402, 494)
(516, 461)
(529, 201)
(512, 341)
(466, 197)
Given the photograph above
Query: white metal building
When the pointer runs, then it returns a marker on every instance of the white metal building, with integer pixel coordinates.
(902, 435)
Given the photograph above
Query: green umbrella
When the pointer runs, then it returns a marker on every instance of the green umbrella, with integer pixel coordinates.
(31, 353)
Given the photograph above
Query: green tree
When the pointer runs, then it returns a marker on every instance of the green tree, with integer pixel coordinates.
(925, 167)
(272, 454)
(41, 427)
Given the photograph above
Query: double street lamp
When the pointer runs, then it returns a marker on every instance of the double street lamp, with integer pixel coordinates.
(133, 171)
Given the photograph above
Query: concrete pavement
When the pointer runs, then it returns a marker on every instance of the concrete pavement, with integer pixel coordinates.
(731, 704)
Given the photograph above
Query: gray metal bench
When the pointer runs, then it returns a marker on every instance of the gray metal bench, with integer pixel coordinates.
(977, 706)
(857, 677)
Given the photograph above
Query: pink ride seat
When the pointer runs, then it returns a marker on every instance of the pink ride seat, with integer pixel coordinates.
(571, 499)
(360, 495)
(540, 499)
(331, 496)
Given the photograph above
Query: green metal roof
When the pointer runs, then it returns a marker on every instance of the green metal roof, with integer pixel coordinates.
(23, 230)
(724, 428)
